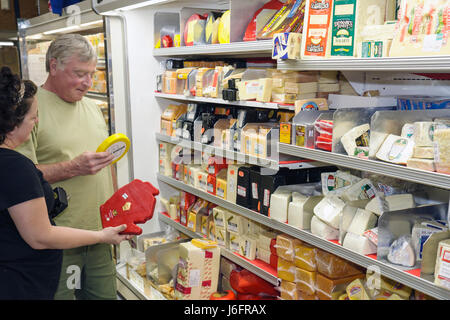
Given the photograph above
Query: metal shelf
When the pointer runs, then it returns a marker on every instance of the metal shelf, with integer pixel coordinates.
(234, 49)
(388, 270)
(416, 64)
(97, 95)
(247, 264)
(126, 288)
(240, 103)
(384, 168)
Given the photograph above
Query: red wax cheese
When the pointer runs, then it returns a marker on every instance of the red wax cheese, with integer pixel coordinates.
(132, 204)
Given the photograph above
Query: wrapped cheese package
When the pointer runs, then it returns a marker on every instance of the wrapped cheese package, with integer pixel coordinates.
(285, 245)
(288, 290)
(306, 281)
(286, 270)
(442, 150)
(396, 149)
(335, 267)
(331, 289)
(305, 256)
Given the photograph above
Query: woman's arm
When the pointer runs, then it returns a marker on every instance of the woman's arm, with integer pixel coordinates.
(31, 220)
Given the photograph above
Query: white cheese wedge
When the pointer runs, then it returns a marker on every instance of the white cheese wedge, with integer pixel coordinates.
(423, 133)
(358, 136)
(295, 210)
(362, 221)
(391, 203)
(279, 203)
(396, 149)
(359, 244)
(363, 189)
(323, 230)
(348, 213)
(329, 210)
(401, 252)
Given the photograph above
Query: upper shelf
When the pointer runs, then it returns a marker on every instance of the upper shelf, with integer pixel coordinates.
(388, 169)
(429, 63)
(261, 48)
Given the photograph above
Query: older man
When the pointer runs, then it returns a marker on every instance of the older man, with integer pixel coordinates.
(63, 146)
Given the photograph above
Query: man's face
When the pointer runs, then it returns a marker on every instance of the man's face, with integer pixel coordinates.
(72, 80)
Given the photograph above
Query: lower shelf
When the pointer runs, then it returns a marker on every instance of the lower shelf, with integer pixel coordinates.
(409, 278)
(261, 269)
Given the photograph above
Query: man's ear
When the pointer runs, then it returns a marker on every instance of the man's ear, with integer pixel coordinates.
(53, 66)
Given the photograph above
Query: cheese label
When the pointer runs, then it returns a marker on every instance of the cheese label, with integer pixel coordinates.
(317, 28)
(242, 191)
(397, 147)
(343, 28)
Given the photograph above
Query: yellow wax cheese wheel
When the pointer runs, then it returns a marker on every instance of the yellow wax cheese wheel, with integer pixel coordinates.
(116, 144)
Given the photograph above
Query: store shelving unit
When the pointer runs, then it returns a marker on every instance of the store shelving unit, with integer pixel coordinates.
(410, 278)
(384, 168)
(259, 268)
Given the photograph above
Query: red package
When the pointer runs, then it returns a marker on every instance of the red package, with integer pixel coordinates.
(246, 282)
(211, 184)
(250, 32)
(215, 164)
(133, 203)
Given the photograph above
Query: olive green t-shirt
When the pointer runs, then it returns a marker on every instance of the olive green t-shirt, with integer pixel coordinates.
(64, 131)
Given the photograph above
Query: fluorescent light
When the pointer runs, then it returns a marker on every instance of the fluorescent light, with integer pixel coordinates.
(145, 3)
(6, 43)
(91, 23)
(62, 29)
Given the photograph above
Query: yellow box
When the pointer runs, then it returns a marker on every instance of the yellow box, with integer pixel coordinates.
(285, 132)
(221, 184)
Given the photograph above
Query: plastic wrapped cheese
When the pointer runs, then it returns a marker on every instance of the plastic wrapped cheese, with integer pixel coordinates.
(395, 149)
(401, 252)
(356, 137)
(362, 221)
(363, 189)
(305, 280)
(285, 245)
(305, 256)
(442, 269)
(423, 133)
(301, 212)
(288, 290)
(329, 210)
(334, 183)
(391, 203)
(335, 267)
(420, 233)
(348, 213)
(263, 255)
(423, 152)
(331, 289)
(359, 244)
(279, 202)
(429, 251)
(408, 130)
(323, 230)
(422, 164)
(285, 270)
(442, 150)
(357, 290)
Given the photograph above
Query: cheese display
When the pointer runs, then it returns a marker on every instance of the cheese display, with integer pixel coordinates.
(198, 272)
(441, 273)
(401, 252)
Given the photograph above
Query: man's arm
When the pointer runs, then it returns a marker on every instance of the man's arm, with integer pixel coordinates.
(87, 163)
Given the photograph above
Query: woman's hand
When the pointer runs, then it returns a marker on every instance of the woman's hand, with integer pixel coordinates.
(111, 234)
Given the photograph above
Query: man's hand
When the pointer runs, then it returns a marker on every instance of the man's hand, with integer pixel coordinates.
(89, 163)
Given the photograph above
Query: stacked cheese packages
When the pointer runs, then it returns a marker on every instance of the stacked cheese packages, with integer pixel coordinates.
(309, 273)
(423, 145)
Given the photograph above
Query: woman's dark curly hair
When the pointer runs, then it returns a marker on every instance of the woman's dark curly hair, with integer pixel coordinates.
(13, 108)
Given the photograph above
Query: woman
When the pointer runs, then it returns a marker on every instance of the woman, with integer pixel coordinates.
(30, 243)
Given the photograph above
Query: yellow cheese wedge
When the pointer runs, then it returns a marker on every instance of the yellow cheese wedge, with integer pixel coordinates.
(116, 144)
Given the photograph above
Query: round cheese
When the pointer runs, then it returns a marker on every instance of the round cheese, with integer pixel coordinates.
(116, 144)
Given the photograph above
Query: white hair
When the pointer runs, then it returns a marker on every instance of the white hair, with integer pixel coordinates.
(68, 45)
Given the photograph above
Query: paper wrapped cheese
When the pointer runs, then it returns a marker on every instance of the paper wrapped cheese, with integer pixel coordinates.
(356, 137)
(396, 149)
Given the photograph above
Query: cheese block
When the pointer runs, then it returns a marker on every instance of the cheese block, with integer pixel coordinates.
(221, 237)
(422, 164)
(232, 174)
(311, 104)
(279, 203)
(236, 223)
(305, 256)
(429, 251)
(288, 98)
(323, 230)
(359, 244)
(357, 290)
(356, 137)
(326, 76)
(295, 211)
(442, 150)
(286, 270)
(301, 88)
(362, 221)
(220, 216)
(248, 90)
(303, 213)
(334, 183)
(331, 289)
(442, 269)
(247, 247)
(221, 184)
(423, 152)
(233, 241)
(401, 252)
(348, 213)
(265, 239)
(305, 280)
(391, 203)
(263, 255)
(329, 210)
(264, 93)
(395, 149)
(202, 180)
(285, 245)
(395, 287)
(335, 267)
(288, 290)
(419, 236)
(363, 189)
(329, 87)
(423, 133)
